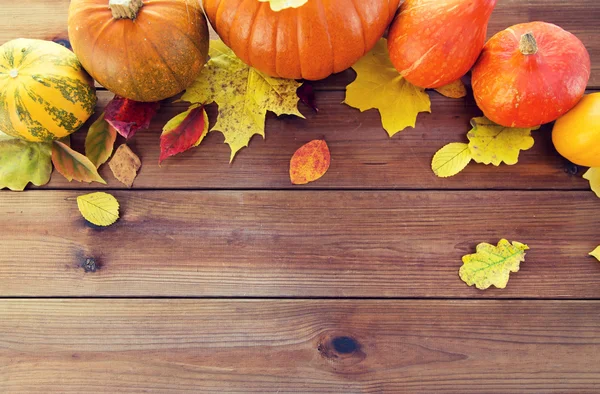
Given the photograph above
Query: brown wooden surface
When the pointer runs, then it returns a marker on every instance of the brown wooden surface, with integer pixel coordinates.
(297, 244)
(377, 251)
(338, 346)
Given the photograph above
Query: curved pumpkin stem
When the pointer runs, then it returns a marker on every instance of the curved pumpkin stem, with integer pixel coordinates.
(528, 44)
(122, 9)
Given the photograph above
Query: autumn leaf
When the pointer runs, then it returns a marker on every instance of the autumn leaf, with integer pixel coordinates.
(183, 132)
(22, 162)
(125, 165)
(493, 144)
(378, 85)
(310, 162)
(278, 5)
(128, 116)
(101, 209)
(73, 165)
(243, 94)
(454, 90)
(596, 253)
(593, 175)
(492, 265)
(306, 93)
(100, 141)
(451, 159)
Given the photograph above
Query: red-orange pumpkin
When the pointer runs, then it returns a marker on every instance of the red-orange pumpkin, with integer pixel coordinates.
(530, 74)
(313, 41)
(144, 50)
(435, 42)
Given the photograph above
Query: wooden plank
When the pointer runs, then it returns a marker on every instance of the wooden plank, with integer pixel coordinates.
(296, 244)
(363, 156)
(176, 346)
(48, 20)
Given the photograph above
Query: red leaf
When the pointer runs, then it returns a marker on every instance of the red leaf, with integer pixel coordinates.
(310, 162)
(183, 132)
(306, 93)
(128, 116)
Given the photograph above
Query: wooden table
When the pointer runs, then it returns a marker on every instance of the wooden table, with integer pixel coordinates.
(225, 278)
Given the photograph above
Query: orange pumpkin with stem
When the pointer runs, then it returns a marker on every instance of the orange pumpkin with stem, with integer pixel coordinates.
(435, 42)
(144, 50)
(530, 74)
(312, 41)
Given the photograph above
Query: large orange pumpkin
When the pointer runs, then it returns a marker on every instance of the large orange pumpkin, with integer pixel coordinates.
(143, 50)
(312, 41)
(435, 42)
(530, 74)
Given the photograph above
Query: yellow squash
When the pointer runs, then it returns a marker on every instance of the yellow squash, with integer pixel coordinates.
(44, 92)
(576, 134)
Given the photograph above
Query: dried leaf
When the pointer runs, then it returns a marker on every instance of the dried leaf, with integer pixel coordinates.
(278, 5)
(310, 162)
(379, 85)
(596, 253)
(128, 116)
(101, 209)
(125, 165)
(454, 90)
(492, 265)
(22, 162)
(100, 141)
(493, 144)
(451, 159)
(183, 132)
(306, 93)
(243, 94)
(73, 165)
(593, 175)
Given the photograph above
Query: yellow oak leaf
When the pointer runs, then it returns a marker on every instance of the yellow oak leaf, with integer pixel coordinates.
(101, 209)
(596, 253)
(451, 159)
(456, 89)
(278, 5)
(492, 265)
(593, 175)
(493, 144)
(379, 85)
(243, 94)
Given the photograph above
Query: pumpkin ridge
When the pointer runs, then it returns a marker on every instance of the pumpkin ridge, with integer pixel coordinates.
(252, 30)
(133, 84)
(103, 29)
(276, 50)
(174, 27)
(297, 13)
(326, 26)
(362, 24)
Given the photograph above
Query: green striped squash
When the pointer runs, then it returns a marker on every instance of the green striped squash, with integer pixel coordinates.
(45, 94)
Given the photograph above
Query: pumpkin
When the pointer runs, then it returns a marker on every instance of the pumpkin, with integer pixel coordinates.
(45, 94)
(313, 41)
(530, 74)
(576, 135)
(435, 42)
(142, 50)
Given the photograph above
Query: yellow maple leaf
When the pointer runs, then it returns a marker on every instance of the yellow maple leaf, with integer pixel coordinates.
(101, 209)
(596, 253)
(451, 159)
(243, 94)
(593, 175)
(493, 144)
(492, 265)
(278, 5)
(379, 85)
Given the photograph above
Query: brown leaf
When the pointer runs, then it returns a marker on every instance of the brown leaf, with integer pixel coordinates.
(124, 165)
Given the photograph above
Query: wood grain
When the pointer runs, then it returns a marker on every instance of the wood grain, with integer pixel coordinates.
(296, 244)
(200, 346)
(363, 156)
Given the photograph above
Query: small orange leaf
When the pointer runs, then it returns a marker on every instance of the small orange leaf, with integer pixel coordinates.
(455, 90)
(310, 162)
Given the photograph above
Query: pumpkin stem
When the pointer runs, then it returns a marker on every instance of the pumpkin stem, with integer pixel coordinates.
(122, 9)
(528, 44)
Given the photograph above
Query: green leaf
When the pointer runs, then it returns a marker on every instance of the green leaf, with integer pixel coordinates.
(73, 165)
(22, 162)
(100, 141)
